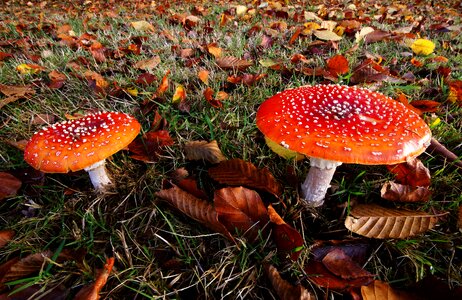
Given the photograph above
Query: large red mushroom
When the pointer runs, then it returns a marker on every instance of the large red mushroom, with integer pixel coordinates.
(82, 143)
(335, 124)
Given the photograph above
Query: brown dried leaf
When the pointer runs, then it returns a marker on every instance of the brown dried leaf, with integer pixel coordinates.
(148, 64)
(378, 222)
(380, 290)
(393, 191)
(233, 63)
(91, 292)
(203, 150)
(195, 208)
(9, 185)
(5, 237)
(288, 240)
(239, 172)
(15, 92)
(241, 209)
(57, 79)
(284, 289)
(376, 36)
(326, 35)
(340, 264)
(412, 172)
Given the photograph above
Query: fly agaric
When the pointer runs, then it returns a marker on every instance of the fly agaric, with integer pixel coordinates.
(82, 143)
(335, 124)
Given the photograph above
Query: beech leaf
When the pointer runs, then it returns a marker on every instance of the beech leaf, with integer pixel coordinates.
(239, 172)
(203, 150)
(195, 208)
(241, 209)
(393, 191)
(412, 172)
(283, 288)
(378, 222)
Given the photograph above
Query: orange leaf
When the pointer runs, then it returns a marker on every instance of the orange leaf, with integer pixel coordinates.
(163, 85)
(412, 173)
(10, 185)
(241, 209)
(180, 94)
(214, 50)
(239, 172)
(5, 237)
(204, 76)
(417, 63)
(283, 288)
(455, 92)
(288, 240)
(426, 105)
(337, 65)
(208, 94)
(91, 292)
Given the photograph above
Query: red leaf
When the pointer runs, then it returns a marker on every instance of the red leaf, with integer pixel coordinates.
(412, 173)
(337, 65)
(208, 94)
(288, 240)
(145, 79)
(149, 147)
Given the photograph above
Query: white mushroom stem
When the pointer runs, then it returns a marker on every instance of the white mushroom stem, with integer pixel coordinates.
(98, 175)
(315, 186)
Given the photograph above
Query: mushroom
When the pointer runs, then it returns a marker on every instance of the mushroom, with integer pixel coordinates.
(82, 143)
(335, 124)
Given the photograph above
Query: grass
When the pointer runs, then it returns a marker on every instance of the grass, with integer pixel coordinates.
(159, 252)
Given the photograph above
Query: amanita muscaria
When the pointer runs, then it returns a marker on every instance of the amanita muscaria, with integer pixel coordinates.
(82, 143)
(335, 124)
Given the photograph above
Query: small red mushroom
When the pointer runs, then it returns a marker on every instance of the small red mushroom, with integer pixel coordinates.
(334, 124)
(82, 143)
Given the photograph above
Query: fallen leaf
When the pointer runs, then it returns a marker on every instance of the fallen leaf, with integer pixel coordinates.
(426, 105)
(416, 63)
(214, 50)
(57, 79)
(96, 80)
(204, 76)
(288, 240)
(423, 47)
(148, 64)
(378, 222)
(239, 172)
(359, 36)
(5, 237)
(91, 292)
(203, 150)
(393, 191)
(240, 209)
(455, 91)
(4, 55)
(284, 289)
(142, 26)
(340, 264)
(48, 292)
(163, 84)
(379, 290)
(412, 172)
(326, 35)
(200, 210)
(208, 95)
(376, 36)
(146, 79)
(10, 185)
(150, 146)
(27, 69)
(180, 95)
(231, 62)
(15, 92)
(337, 65)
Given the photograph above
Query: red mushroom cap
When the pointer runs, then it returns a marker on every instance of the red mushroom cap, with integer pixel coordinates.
(76, 144)
(345, 124)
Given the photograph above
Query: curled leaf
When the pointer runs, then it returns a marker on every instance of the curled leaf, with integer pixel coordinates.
(412, 172)
(203, 150)
(283, 288)
(393, 191)
(91, 292)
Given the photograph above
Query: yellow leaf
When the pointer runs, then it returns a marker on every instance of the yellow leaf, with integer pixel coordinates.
(423, 46)
(180, 94)
(142, 26)
(26, 69)
(132, 91)
(282, 151)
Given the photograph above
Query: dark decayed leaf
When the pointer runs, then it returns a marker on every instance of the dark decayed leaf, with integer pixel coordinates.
(240, 209)
(288, 240)
(9, 185)
(283, 288)
(239, 172)
(150, 146)
(404, 193)
(195, 208)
